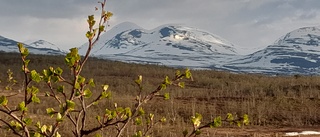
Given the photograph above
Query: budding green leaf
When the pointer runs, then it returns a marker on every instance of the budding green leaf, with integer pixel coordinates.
(181, 84)
(167, 81)
(166, 96)
(91, 21)
(139, 80)
(119, 110)
(196, 120)
(35, 99)
(35, 76)
(138, 121)
(60, 89)
(101, 28)
(50, 128)
(163, 119)
(50, 111)
(105, 87)
(3, 100)
(55, 78)
(178, 73)
(91, 17)
(163, 86)
(57, 135)
(77, 85)
(37, 134)
(77, 93)
(141, 111)
(238, 123)
(151, 116)
(33, 90)
(114, 114)
(230, 117)
(24, 51)
(43, 129)
(28, 121)
(70, 105)
(72, 58)
(198, 132)
(87, 93)
(217, 122)
(22, 106)
(188, 74)
(58, 71)
(97, 135)
(98, 118)
(26, 63)
(128, 111)
(47, 94)
(16, 124)
(108, 15)
(108, 114)
(95, 103)
(81, 79)
(105, 94)
(91, 83)
(59, 117)
(38, 125)
(89, 35)
(46, 75)
(138, 134)
(245, 119)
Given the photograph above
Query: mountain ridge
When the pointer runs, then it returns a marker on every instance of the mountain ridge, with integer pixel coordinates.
(9, 45)
(297, 52)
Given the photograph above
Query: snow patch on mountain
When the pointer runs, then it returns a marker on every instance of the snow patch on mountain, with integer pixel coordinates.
(9, 45)
(297, 52)
(42, 44)
(171, 45)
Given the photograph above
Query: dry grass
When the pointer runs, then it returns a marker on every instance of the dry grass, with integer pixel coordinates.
(282, 101)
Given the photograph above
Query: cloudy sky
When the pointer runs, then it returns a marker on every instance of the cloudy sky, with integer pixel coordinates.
(247, 23)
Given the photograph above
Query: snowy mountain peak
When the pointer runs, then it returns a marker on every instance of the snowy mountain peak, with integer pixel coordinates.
(297, 52)
(213, 42)
(9, 45)
(130, 39)
(126, 26)
(307, 36)
(42, 44)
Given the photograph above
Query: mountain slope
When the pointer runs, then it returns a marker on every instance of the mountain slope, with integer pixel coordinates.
(298, 52)
(9, 45)
(132, 38)
(42, 44)
(172, 45)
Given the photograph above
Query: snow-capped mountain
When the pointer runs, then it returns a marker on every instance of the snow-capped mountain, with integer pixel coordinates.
(172, 45)
(128, 38)
(9, 45)
(297, 52)
(42, 44)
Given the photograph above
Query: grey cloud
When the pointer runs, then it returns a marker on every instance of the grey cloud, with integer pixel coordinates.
(45, 8)
(235, 20)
